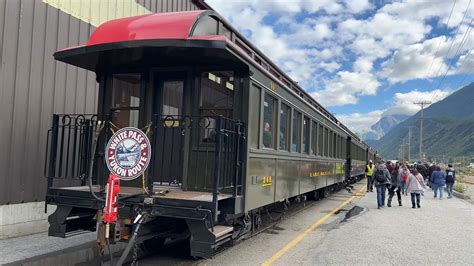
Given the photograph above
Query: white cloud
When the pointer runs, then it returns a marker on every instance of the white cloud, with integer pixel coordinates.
(404, 105)
(345, 87)
(404, 102)
(347, 49)
(361, 122)
(358, 6)
(412, 63)
(466, 63)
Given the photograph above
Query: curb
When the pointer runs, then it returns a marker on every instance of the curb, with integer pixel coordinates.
(460, 195)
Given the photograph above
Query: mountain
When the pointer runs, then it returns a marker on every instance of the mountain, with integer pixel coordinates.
(448, 128)
(384, 125)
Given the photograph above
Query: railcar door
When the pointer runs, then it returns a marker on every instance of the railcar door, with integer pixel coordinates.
(169, 130)
(214, 98)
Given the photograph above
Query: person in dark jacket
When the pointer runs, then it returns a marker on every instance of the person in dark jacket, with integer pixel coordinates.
(390, 167)
(438, 181)
(422, 170)
(450, 179)
(395, 186)
(381, 180)
(431, 169)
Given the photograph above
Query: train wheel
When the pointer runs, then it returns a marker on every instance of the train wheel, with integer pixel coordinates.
(324, 193)
(316, 195)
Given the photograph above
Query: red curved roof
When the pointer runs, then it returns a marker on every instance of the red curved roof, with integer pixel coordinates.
(176, 25)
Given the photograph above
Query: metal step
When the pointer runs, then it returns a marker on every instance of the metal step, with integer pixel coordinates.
(222, 230)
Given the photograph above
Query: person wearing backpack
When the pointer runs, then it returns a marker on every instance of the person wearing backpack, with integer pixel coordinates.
(450, 179)
(415, 186)
(438, 181)
(403, 176)
(381, 180)
(395, 186)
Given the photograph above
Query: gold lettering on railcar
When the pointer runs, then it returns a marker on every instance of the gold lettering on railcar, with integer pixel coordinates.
(319, 173)
(273, 86)
(339, 168)
(267, 181)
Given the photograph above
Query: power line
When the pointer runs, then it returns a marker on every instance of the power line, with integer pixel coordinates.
(439, 43)
(454, 36)
(463, 41)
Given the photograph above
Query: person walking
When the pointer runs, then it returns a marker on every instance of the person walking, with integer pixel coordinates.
(422, 170)
(438, 181)
(381, 180)
(403, 176)
(395, 186)
(415, 186)
(369, 170)
(431, 169)
(450, 179)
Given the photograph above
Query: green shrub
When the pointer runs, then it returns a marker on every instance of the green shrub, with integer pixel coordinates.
(459, 188)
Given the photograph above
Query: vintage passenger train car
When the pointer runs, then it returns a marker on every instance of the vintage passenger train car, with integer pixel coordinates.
(231, 134)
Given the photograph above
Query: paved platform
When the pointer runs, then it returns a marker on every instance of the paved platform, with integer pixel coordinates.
(440, 232)
(346, 228)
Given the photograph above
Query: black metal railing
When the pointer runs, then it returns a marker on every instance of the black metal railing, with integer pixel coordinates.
(209, 151)
(69, 150)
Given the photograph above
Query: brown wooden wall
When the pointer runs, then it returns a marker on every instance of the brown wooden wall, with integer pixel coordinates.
(33, 86)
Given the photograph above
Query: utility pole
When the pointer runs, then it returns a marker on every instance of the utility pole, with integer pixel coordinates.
(422, 104)
(409, 142)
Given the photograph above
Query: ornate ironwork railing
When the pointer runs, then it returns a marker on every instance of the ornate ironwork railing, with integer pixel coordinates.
(196, 153)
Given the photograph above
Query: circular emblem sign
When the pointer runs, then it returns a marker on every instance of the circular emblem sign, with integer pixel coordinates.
(128, 153)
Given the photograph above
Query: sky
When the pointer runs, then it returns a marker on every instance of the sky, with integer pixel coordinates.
(363, 59)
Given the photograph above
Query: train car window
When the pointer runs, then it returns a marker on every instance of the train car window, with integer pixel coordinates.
(344, 148)
(254, 120)
(314, 138)
(269, 121)
(206, 26)
(223, 30)
(296, 132)
(285, 124)
(326, 142)
(172, 97)
(320, 140)
(305, 143)
(217, 89)
(331, 144)
(126, 99)
(339, 138)
(216, 99)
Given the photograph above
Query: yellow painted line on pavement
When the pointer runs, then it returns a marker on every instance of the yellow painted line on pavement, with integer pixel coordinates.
(310, 229)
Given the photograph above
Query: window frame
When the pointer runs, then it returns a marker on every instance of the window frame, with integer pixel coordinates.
(294, 116)
(306, 134)
(274, 120)
(314, 137)
(288, 126)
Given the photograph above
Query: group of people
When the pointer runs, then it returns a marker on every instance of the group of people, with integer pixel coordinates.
(402, 179)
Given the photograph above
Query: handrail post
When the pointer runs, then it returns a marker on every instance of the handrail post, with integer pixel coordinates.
(237, 157)
(151, 166)
(52, 153)
(217, 166)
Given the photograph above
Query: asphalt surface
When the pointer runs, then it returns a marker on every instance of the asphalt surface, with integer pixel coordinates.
(441, 232)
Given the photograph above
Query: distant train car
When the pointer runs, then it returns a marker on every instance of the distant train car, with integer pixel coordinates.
(231, 136)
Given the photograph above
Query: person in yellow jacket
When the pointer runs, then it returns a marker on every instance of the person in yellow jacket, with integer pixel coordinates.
(369, 172)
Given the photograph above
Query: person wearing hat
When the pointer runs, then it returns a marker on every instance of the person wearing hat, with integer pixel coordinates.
(369, 172)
